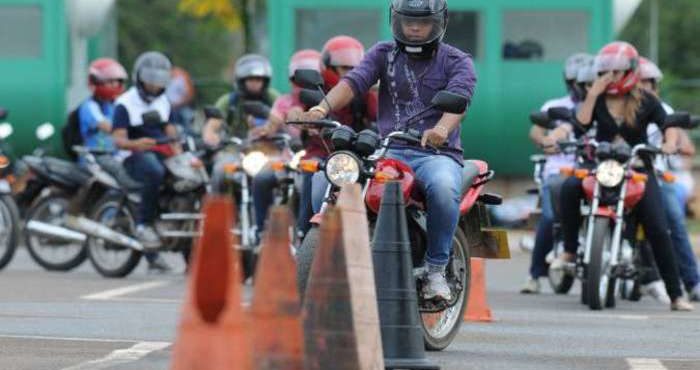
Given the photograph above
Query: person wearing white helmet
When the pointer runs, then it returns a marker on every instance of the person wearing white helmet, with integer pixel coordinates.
(676, 192)
(555, 161)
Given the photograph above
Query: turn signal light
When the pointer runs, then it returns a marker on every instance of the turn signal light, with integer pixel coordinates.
(231, 168)
(382, 177)
(566, 171)
(277, 166)
(308, 165)
(581, 173)
(669, 177)
(639, 177)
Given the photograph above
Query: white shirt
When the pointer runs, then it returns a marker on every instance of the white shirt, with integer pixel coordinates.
(556, 161)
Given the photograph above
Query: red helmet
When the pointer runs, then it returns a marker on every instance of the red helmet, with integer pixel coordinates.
(340, 51)
(648, 70)
(619, 56)
(101, 72)
(305, 59)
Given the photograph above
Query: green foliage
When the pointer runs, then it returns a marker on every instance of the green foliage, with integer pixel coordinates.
(203, 46)
(679, 56)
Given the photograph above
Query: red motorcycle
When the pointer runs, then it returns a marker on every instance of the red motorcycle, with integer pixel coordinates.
(360, 158)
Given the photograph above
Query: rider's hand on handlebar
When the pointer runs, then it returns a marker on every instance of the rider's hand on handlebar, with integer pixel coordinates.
(144, 143)
(435, 136)
(669, 148)
(312, 115)
(549, 145)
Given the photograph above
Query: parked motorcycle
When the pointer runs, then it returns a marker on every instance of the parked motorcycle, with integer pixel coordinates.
(360, 158)
(9, 214)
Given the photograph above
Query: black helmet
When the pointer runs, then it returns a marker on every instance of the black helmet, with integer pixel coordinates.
(252, 66)
(407, 12)
(153, 68)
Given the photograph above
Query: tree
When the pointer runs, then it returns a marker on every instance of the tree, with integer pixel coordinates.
(234, 14)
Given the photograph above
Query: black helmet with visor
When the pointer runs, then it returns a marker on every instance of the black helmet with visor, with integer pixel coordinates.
(418, 26)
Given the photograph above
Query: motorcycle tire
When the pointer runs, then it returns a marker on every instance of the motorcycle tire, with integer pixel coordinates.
(10, 229)
(36, 244)
(105, 212)
(455, 314)
(305, 257)
(596, 271)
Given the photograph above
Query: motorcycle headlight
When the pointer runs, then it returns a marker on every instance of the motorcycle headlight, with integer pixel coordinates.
(610, 173)
(254, 162)
(342, 168)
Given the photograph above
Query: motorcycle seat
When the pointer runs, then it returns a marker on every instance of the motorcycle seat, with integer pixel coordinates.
(469, 173)
(66, 172)
(116, 169)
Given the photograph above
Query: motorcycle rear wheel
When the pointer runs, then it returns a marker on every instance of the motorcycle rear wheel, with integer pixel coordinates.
(9, 229)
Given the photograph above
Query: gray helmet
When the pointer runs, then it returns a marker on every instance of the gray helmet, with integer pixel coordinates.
(574, 63)
(586, 74)
(153, 68)
(252, 65)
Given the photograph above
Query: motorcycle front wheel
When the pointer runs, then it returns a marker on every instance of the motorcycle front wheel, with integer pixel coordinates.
(109, 259)
(600, 285)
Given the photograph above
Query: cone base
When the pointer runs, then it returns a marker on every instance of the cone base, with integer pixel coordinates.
(409, 364)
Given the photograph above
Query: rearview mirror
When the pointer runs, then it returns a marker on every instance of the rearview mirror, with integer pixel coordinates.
(310, 98)
(308, 79)
(45, 131)
(5, 130)
(449, 102)
(561, 114)
(256, 109)
(3, 113)
(151, 118)
(541, 119)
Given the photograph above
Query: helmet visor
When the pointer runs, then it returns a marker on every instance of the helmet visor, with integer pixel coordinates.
(346, 57)
(417, 30)
(607, 63)
(155, 76)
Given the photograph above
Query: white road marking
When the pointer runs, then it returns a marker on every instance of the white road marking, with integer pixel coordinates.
(114, 293)
(70, 339)
(121, 356)
(645, 364)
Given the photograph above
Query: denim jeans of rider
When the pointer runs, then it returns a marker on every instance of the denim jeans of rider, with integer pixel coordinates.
(441, 179)
(306, 209)
(687, 264)
(544, 233)
(654, 223)
(263, 191)
(147, 168)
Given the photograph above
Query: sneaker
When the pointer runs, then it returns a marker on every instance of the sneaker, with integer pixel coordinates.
(681, 304)
(694, 294)
(436, 287)
(147, 236)
(158, 264)
(531, 286)
(561, 262)
(656, 290)
(527, 243)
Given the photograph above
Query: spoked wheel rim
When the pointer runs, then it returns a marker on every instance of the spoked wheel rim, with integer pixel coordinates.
(110, 256)
(55, 251)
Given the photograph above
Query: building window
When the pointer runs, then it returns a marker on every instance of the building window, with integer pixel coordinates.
(547, 36)
(464, 31)
(315, 27)
(20, 31)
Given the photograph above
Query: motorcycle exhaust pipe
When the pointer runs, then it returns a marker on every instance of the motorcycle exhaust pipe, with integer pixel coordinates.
(97, 230)
(46, 229)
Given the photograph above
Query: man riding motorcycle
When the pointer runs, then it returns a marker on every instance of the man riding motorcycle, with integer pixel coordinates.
(411, 71)
(551, 178)
(150, 77)
(674, 206)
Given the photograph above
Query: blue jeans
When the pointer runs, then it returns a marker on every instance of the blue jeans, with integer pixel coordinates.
(675, 214)
(306, 198)
(146, 167)
(263, 191)
(544, 234)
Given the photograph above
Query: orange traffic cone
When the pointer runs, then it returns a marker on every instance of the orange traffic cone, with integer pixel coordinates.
(276, 312)
(477, 307)
(341, 320)
(213, 332)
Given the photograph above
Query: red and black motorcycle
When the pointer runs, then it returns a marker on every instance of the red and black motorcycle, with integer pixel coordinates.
(361, 158)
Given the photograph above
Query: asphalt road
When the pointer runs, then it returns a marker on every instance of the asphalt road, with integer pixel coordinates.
(79, 320)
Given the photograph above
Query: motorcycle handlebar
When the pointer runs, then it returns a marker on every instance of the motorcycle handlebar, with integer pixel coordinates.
(324, 123)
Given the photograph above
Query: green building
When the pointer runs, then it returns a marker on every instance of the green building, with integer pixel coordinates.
(45, 47)
(519, 47)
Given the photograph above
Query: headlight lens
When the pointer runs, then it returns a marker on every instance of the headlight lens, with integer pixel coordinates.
(253, 162)
(610, 173)
(342, 169)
